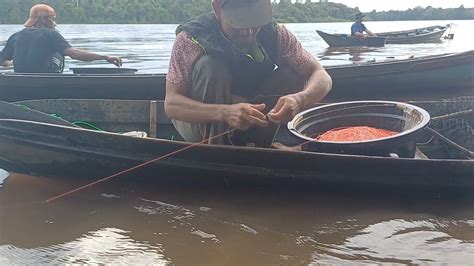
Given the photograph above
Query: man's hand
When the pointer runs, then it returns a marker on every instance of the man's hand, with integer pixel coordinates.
(286, 108)
(114, 60)
(6, 63)
(244, 115)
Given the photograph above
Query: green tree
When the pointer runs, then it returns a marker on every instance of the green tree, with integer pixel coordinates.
(177, 11)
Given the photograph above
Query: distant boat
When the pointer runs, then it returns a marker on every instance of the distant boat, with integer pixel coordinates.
(420, 35)
(345, 40)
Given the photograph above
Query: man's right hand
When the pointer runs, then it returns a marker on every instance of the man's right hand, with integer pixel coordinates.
(6, 63)
(114, 60)
(244, 115)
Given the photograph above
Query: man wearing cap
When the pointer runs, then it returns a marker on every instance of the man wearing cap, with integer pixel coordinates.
(358, 28)
(39, 48)
(236, 68)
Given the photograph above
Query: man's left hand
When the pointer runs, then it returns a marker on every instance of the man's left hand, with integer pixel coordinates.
(286, 108)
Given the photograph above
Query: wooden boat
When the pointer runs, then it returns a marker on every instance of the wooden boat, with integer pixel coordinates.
(17, 87)
(420, 35)
(430, 77)
(62, 149)
(5, 68)
(345, 40)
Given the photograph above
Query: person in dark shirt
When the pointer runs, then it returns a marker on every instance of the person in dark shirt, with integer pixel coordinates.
(358, 28)
(39, 48)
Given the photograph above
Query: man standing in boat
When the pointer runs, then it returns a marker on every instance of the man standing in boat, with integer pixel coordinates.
(358, 28)
(236, 68)
(39, 48)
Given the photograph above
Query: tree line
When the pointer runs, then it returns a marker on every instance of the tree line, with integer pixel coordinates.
(177, 11)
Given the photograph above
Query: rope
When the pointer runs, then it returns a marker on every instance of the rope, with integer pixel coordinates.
(87, 124)
(133, 168)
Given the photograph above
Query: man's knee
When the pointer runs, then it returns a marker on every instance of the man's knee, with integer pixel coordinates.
(210, 66)
(211, 80)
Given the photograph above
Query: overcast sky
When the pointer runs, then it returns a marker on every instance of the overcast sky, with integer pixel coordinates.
(385, 5)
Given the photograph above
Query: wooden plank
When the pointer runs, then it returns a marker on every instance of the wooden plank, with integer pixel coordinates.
(153, 118)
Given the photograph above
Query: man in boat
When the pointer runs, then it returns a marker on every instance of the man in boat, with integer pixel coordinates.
(237, 69)
(358, 28)
(39, 48)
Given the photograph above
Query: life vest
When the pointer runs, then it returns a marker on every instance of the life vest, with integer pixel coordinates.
(248, 73)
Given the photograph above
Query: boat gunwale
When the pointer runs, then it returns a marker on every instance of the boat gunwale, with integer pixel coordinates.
(207, 146)
(415, 30)
(364, 42)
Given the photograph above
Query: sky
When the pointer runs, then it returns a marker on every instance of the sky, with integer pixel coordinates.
(386, 5)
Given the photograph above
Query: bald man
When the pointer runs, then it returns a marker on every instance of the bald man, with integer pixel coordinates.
(237, 69)
(39, 48)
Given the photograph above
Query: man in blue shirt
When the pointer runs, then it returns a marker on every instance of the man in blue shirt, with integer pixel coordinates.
(358, 28)
(39, 48)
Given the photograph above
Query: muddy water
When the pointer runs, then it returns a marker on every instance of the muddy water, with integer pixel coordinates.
(141, 222)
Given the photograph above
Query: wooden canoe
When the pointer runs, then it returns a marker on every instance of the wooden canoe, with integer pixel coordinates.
(63, 149)
(428, 77)
(344, 40)
(419, 35)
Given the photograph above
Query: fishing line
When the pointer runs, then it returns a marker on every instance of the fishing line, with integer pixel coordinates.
(142, 165)
(134, 168)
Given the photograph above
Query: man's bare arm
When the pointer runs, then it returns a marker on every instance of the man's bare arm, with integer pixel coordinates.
(88, 56)
(241, 115)
(180, 107)
(359, 34)
(317, 87)
(370, 33)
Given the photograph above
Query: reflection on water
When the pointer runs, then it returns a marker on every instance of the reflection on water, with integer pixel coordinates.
(3, 175)
(356, 54)
(138, 221)
(397, 241)
(148, 47)
(105, 246)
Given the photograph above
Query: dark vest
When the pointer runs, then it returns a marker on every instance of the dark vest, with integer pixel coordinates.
(247, 74)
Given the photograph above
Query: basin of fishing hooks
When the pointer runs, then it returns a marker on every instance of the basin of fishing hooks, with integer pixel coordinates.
(405, 119)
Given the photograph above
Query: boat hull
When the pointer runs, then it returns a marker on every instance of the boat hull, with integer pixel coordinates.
(422, 38)
(18, 87)
(64, 151)
(343, 40)
(431, 77)
(420, 35)
(41, 145)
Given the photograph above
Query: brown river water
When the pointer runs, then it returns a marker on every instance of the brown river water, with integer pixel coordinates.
(130, 220)
(138, 221)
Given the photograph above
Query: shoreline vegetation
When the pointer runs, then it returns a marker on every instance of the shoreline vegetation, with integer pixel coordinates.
(177, 11)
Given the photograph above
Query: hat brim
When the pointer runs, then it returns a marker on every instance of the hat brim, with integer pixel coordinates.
(251, 16)
(30, 22)
(359, 17)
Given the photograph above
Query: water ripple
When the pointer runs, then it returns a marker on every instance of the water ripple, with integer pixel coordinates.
(400, 241)
(3, 175)
(105, 246)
